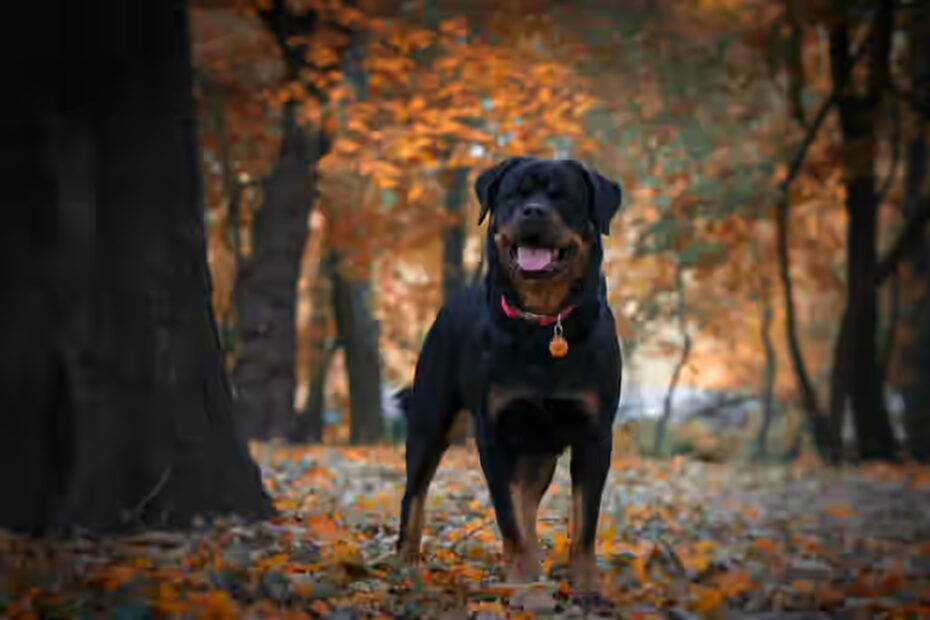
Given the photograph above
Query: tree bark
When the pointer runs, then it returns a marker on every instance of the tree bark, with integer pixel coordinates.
(357, 331)
(860, 379)
(266, 285)
(117, 410)
(680, 312)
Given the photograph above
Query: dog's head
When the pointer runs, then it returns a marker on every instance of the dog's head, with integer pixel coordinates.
(546, 221)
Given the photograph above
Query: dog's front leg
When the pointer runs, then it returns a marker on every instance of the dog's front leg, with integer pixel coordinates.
(589, 467)
(517, 484)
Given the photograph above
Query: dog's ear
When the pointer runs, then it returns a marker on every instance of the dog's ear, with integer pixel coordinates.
(604, 197)
(488, 182)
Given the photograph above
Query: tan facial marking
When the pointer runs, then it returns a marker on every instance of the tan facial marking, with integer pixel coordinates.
(544, 296)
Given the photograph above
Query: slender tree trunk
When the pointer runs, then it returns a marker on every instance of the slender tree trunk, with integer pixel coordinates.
(839, 388)
(357, 331)
(266, 285)
(915, 351)
(816, 421)
(453, 236)
(453, 256)
(794, 60)
(232, 192)
(308, 426)
(117, 410)
(795, 70)
(661, 427)
(768, 378)
(310, 423)
(858, 119)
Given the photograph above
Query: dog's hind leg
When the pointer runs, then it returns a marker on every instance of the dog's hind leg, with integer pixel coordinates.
(432, 410)
(422, 461)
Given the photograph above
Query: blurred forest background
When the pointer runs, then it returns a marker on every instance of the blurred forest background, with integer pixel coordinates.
(769, 269)
(236, 219)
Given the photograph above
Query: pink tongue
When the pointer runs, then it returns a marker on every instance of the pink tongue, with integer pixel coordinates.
(533, 259)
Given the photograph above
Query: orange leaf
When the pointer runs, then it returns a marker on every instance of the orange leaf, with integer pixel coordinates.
(708, 601)
(840, 511)
(766, 545)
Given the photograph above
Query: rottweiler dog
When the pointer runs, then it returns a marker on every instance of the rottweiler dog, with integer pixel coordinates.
(533, 353)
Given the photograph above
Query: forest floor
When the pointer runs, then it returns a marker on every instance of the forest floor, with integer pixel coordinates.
(678, 539)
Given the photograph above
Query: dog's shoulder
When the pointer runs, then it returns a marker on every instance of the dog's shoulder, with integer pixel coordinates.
(463, 309)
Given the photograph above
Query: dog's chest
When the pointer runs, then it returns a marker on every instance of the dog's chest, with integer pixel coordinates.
(530, 399)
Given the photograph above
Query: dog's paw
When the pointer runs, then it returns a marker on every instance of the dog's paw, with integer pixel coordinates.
(405, 557)
(535, 598)
(521, 568)
(584, 573)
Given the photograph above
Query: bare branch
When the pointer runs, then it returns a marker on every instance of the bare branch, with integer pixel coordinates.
(839, 89)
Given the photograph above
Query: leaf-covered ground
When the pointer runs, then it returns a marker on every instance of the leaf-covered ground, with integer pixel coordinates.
(678, 539)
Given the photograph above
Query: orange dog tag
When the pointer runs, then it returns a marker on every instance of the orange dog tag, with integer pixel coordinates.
(558, 346)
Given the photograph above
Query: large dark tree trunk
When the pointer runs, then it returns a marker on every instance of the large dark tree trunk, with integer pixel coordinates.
(266, 285)
(116, 408)
(357, 332)
(857, 353)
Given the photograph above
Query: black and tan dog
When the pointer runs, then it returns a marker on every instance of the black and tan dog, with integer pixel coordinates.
(533, 353)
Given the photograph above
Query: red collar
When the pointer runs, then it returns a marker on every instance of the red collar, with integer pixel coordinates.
(541, 319)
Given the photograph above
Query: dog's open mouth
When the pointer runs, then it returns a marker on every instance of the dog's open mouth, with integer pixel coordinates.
(539, 262)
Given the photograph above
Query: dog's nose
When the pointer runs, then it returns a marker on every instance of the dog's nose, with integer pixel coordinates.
(534, 210)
